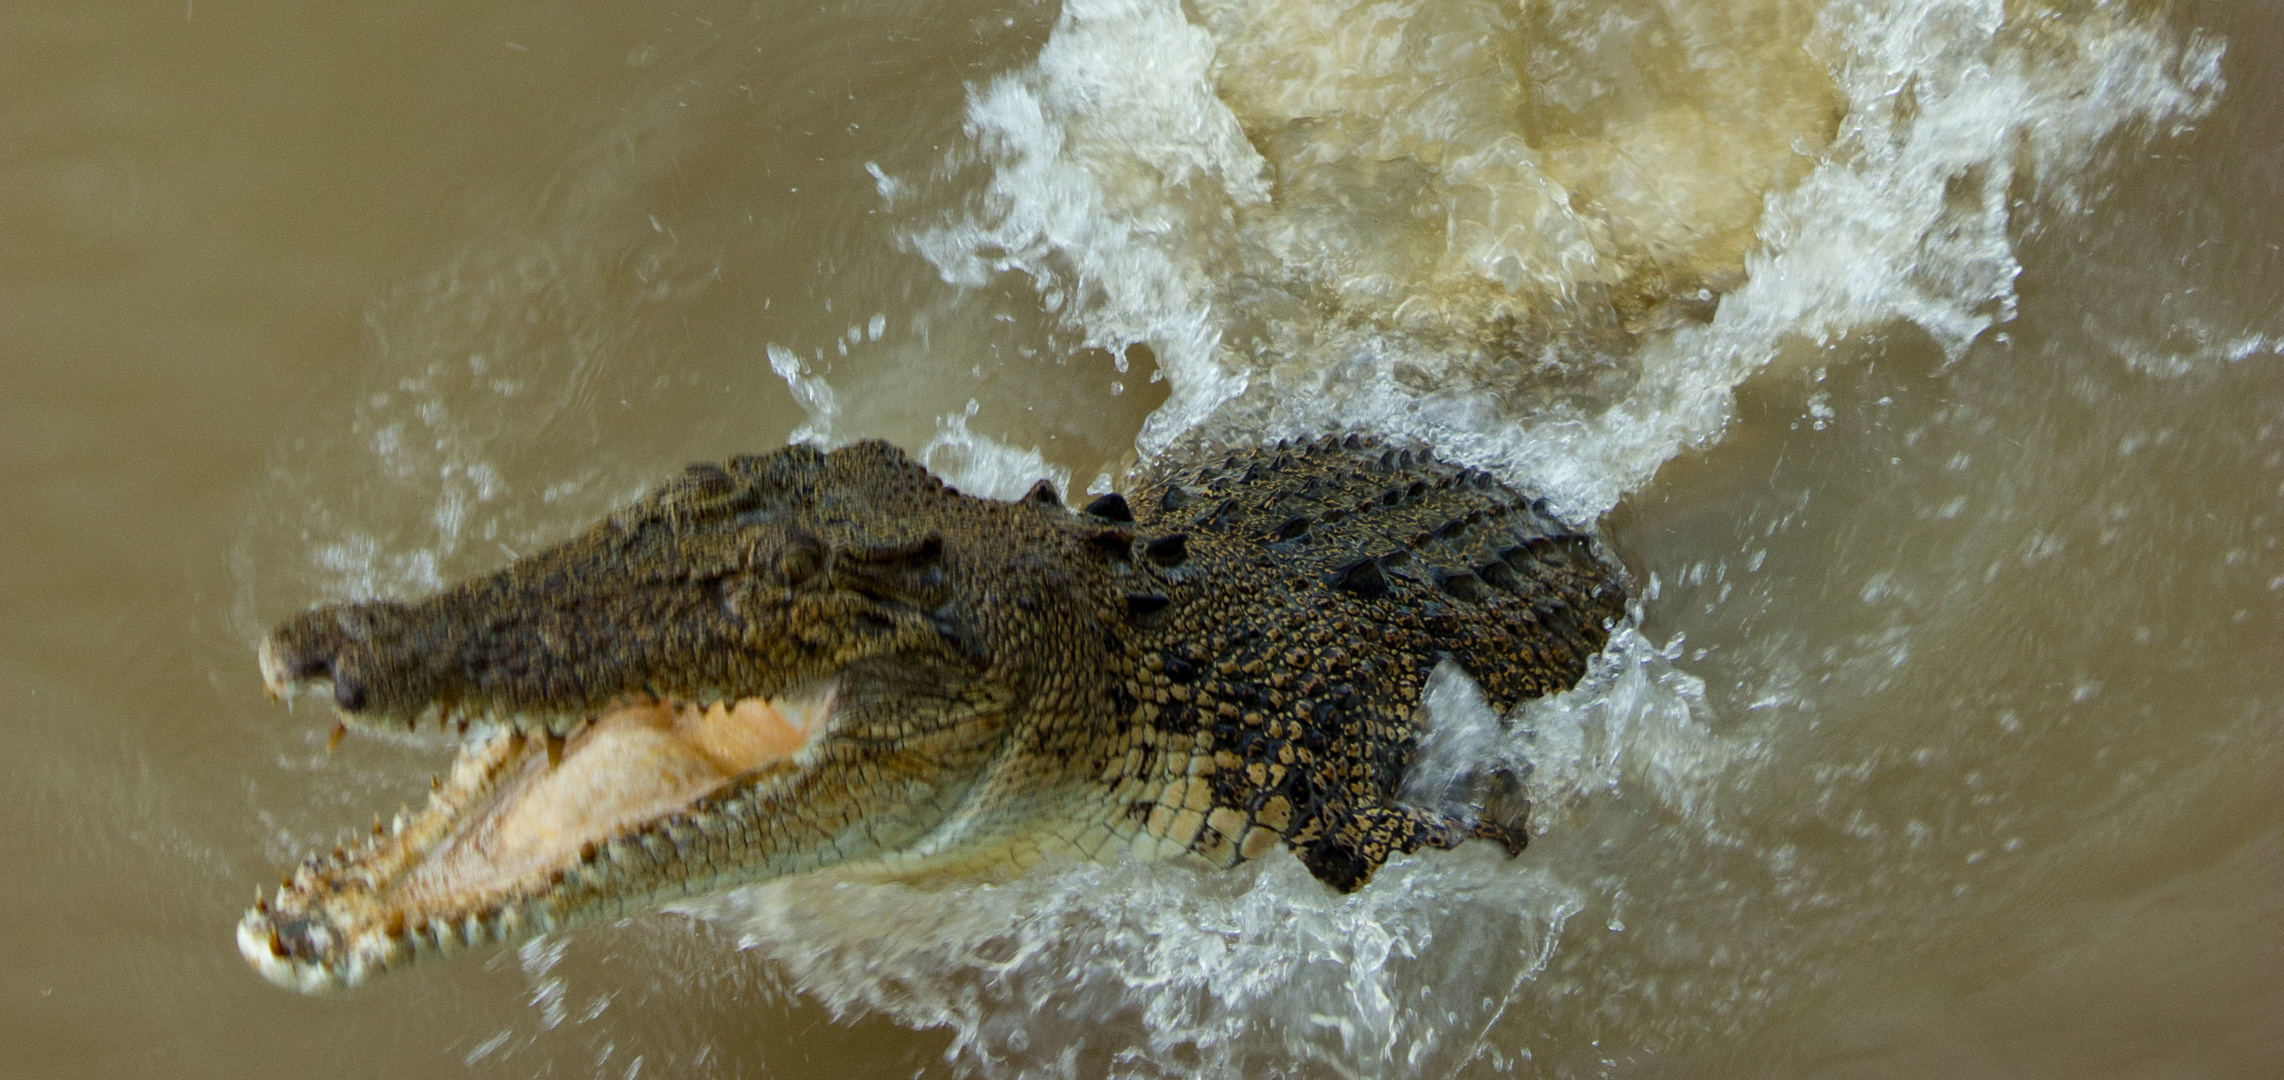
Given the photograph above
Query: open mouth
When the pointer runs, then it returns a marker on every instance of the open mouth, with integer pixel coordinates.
(526, 822)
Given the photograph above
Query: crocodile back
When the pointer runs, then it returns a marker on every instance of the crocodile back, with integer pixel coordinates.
(1285, 607)
(1476, 570)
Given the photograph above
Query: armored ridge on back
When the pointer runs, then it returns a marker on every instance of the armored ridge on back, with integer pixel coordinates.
(798, 660)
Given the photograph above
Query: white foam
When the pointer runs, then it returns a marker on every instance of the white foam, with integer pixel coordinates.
(982, 466)
(1177, 972)
(1125, 191)
(1123, 186)
(812, 394)
(1112, 162)
(1173, 972)
(1906, 220)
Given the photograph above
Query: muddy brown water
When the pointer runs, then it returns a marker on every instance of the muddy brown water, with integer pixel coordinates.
(1948, 741)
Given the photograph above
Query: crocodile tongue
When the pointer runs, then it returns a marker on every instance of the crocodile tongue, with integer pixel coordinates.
(518, 812)
(634, 764)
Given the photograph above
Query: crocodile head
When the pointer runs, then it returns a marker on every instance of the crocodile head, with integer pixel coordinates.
(782, 663)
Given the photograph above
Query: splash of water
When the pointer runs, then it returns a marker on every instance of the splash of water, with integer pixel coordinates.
(1549, 242)
(1113, 165)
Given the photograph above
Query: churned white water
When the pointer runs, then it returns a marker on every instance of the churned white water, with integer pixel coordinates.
(1549, 239)
(1547, 242)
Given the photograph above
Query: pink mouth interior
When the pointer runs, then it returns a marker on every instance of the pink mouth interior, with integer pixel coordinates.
(634, 764)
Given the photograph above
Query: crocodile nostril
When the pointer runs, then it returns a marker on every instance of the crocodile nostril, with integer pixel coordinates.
(349, 694)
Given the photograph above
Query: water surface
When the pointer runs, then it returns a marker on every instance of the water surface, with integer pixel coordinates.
(1920, 359)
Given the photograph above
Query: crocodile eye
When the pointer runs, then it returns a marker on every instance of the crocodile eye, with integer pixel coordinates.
(804, 556)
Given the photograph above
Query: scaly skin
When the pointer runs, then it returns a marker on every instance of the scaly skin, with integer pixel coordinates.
(1229, 660)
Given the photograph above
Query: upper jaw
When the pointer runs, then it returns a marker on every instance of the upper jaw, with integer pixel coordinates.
(391, 666)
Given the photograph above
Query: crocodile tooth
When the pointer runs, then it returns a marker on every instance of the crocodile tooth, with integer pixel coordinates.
(333, 740)
(554, 749)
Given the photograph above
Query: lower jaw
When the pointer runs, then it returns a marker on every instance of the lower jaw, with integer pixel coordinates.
(335, 922)
(507, 845)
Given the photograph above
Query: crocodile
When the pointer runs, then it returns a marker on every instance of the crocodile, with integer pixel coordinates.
(799, 660)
